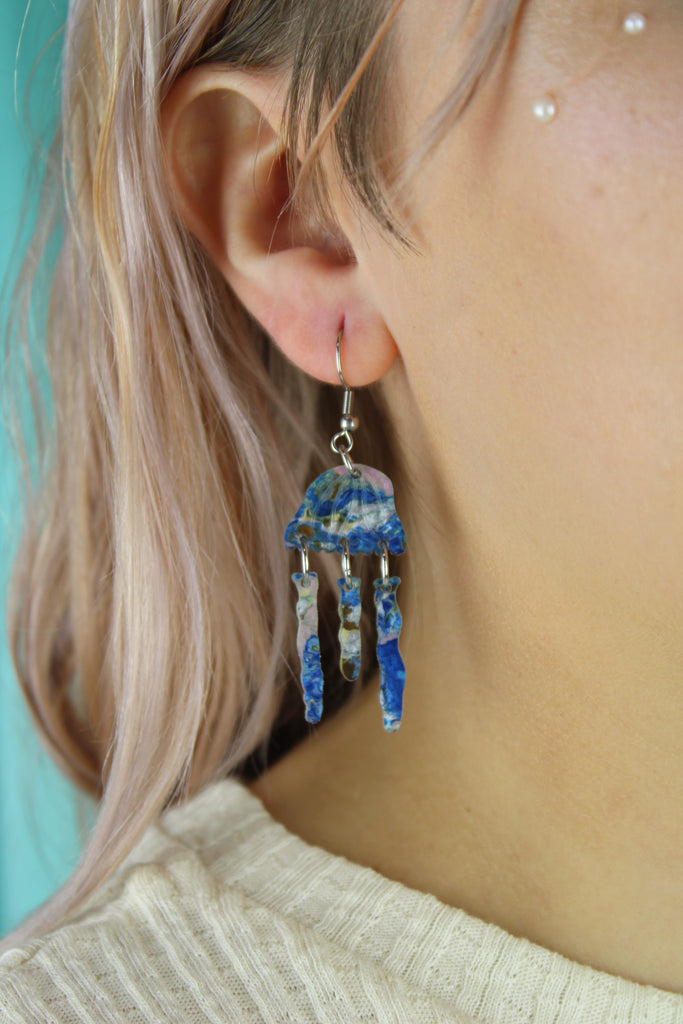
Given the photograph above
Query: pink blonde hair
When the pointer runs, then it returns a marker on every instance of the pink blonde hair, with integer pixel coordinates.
(151, 603)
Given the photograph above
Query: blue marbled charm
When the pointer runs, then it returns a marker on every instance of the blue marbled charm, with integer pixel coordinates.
(308, 643)
(339, 506)
(392, 670)
(349, 627)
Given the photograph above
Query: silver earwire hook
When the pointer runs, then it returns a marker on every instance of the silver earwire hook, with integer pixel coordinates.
(342, 443)
(339, 366)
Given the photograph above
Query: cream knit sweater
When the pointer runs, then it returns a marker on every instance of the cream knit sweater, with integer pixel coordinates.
(220, 914)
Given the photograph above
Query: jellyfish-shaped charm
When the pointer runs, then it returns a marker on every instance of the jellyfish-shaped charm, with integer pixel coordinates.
(352, 512)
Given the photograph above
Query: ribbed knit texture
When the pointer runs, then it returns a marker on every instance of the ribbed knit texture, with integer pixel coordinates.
(220, 915)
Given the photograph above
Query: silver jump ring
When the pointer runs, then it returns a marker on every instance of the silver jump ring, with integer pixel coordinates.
(385, 562)
(343, 450)
(346, 562)
(337, 446)
(350, 464)
(304, 557)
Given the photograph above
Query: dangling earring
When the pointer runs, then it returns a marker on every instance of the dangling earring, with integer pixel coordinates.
(349, 509)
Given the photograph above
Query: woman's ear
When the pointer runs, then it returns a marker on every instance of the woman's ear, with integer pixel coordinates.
(227, 169)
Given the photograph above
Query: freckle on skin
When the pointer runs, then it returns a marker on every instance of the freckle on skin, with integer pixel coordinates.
(597, 191)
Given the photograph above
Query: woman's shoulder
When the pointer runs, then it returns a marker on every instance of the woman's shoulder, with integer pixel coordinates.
(154, 941)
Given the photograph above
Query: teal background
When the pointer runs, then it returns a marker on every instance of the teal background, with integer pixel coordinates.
(39, 815)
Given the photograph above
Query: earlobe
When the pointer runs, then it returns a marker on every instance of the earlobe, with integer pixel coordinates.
(227, 171)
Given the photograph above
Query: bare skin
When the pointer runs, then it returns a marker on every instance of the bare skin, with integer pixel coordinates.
(537, 779)
(536, 391)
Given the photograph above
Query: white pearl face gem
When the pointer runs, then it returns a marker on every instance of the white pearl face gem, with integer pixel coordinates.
(634, 24)
(545, 109)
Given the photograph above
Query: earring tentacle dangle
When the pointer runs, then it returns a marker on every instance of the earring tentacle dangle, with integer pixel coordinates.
(349, 618)
(389, 622)
(349, 509)
(307, 642)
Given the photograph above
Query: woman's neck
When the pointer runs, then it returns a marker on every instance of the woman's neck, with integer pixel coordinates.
(537, 778)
